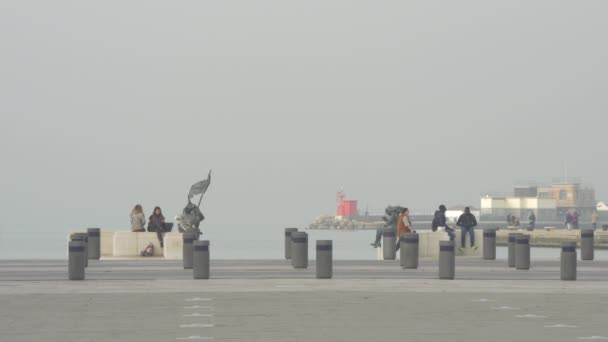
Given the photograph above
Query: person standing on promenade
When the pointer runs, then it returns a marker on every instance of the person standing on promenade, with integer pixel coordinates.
(138, 220)
(594, 220)
(440, 222)
(568, 220)
(532, 219)
(575, 219)
(404, 225)
(467, 223)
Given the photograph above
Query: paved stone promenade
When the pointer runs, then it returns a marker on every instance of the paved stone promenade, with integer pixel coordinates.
(156, 300)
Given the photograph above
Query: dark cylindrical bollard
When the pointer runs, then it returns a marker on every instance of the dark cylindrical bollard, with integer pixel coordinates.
(587, 249)
(389, 244)
(489, 244)
(522, 252)
(200, 259)
(288, 232)
(324, 260)
(82, 237)
(409, 250)
(187, 251)
(93, 243)
(299, 250)
(568, 261)
(76, 258)
(511, 249)
(447, 262)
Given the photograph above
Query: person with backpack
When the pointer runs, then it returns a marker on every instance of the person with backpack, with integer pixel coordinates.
(440, 223)
(467, 223)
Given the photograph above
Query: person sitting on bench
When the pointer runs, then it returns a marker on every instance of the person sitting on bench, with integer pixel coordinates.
(156, 223)
(138, 220)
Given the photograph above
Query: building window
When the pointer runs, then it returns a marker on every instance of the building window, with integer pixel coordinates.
(563, 195)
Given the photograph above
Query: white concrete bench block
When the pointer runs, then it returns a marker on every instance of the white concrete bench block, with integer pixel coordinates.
(432, 243)
(174, 246)
(125, 244)
(107, 243)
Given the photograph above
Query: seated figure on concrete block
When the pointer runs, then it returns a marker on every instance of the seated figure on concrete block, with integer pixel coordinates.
(390, 220)
(138, 219)
(156, 223)
(440, 222)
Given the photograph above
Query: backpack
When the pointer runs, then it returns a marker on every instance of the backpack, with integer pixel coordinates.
(148, 251)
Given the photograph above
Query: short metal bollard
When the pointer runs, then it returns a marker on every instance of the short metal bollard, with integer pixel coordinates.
(76, 258)
(447, 262)
(522, 252)
(82, 237)
(187, 251)
(568, 261)
(489, 244)
(299, 250)
(389, 244)
(200, 259)
(587, 248)
(288, 232)
(511, 249)
(409, 245)
(324, 259)
(93, 243)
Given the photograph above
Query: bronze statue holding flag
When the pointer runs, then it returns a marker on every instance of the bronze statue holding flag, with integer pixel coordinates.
(192, 216)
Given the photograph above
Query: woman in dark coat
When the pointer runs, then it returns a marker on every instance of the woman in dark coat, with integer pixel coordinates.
(156, 222)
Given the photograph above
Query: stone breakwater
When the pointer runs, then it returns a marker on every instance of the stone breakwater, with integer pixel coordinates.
(327, 222)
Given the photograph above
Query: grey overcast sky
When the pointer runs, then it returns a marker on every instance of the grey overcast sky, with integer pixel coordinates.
(111, 103)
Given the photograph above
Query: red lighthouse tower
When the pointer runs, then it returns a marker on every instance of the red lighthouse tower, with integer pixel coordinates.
(346, 208)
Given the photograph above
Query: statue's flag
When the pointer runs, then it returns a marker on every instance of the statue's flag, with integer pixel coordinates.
(200, 188)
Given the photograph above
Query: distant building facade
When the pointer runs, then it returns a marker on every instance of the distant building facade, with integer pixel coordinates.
(549, 203)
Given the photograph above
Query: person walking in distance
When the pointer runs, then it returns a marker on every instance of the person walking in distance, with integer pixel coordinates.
(594, 220)
(568, 220)
(467, 223)
(532, 219)
(440, 223)
(404, 225)
(575, 219)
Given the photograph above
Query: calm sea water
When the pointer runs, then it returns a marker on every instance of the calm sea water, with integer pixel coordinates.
(348, 245)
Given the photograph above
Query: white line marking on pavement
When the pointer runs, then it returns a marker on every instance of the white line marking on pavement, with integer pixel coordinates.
(194, 338)
(196, 325)
(504, 308)
(198, 307)
(199, 299)
(560, 326)
(483, 300)
(199, 315)
(530, 316)
(593, 338)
